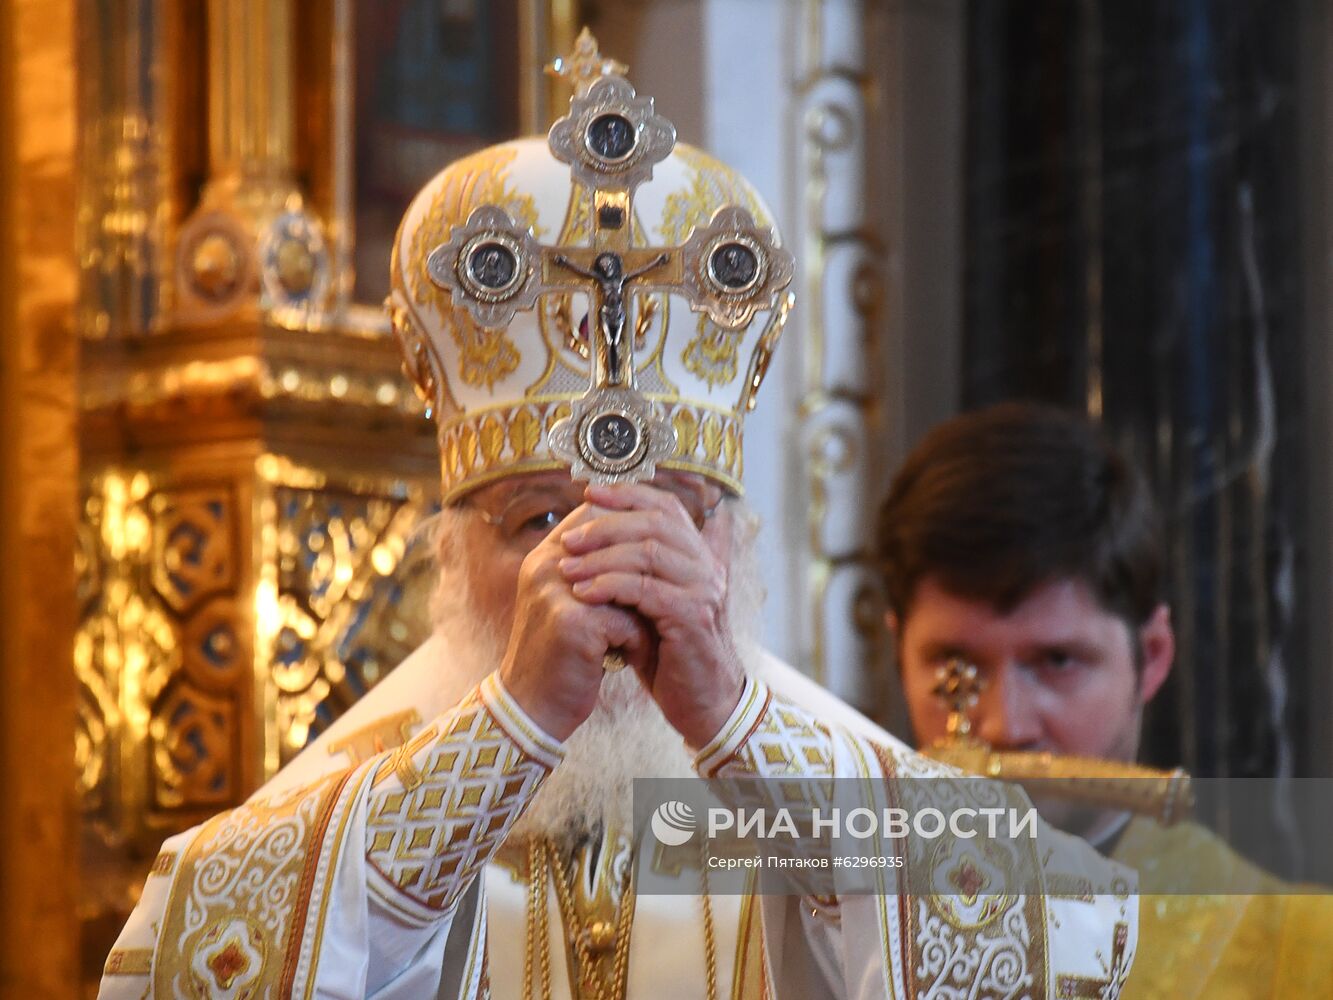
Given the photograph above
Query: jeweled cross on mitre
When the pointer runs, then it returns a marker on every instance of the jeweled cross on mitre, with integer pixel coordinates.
(728, 269)
(585, 64)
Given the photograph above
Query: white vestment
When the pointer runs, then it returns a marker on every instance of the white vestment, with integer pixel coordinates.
(358, 873)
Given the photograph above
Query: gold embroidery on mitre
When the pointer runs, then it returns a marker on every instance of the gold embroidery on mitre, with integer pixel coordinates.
(559, 413)
(711, 185)
(485, 445)
(450, 469)
(687, 431)
(467, 446)
(712, 354)
(702, 434)
(484, 356)
(712, 434)
(476, 180)
(492, 440)
(525, 432)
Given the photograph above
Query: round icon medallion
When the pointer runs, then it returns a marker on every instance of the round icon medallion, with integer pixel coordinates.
(611, 138)
(491, 266)
(612, 441)
(733, 266)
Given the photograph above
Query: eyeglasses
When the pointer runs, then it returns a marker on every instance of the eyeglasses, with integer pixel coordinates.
(531, 515)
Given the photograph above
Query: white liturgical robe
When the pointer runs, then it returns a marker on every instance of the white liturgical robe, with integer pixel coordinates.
(376, 865)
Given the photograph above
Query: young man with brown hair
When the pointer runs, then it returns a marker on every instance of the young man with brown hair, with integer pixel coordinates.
(1017, 539)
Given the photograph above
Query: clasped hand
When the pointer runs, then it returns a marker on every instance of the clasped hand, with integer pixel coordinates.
(630, 571)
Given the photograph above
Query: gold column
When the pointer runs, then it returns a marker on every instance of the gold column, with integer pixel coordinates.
(250, 94)
(254, 247)
(124, 195)
(38, 498)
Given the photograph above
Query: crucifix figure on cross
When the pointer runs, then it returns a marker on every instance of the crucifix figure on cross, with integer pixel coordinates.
(609, 272)
(729, 269)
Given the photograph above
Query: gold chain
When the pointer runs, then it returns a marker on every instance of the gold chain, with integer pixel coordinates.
(624, 923)
(710, 941)
(539, 933)
(542, 857)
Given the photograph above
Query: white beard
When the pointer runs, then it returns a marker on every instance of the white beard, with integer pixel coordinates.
(626, 736)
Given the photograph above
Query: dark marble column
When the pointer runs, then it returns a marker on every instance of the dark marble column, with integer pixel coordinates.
(1134, 235)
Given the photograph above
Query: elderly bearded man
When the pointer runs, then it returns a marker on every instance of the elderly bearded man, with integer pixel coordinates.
(491, 854)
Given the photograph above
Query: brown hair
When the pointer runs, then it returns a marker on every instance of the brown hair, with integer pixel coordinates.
(996, 502)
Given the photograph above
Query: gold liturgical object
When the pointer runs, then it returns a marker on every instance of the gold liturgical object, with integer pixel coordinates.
(1162, 795)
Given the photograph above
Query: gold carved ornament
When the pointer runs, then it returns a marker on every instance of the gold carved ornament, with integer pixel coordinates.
(347, 596)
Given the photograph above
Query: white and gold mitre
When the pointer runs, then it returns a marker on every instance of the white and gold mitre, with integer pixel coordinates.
(500, 376)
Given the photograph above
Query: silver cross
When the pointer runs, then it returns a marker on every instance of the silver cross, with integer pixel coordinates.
(729, 269)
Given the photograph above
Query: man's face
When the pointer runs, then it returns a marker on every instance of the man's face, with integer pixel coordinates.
(626, 736)
(509, 518)
(1058, 671)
